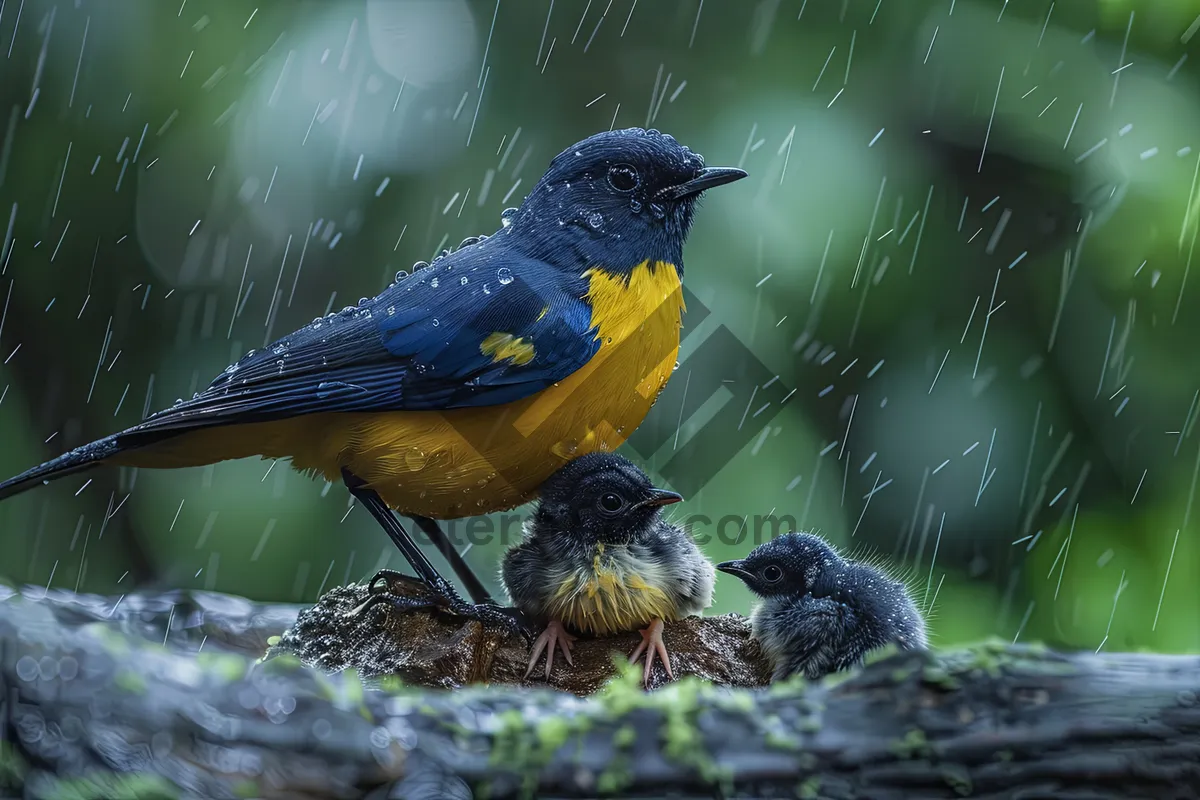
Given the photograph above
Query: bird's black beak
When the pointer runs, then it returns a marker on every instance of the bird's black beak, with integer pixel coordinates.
(736, 568)
(660, 497)
(708, 178)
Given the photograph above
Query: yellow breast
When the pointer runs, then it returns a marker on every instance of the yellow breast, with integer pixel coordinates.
(615, 594)
(451, 464)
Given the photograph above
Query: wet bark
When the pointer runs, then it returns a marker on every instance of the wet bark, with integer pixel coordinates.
(94, 705)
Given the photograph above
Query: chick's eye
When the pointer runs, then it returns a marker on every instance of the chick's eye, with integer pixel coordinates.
(623, 178)
(611, 503)
(771, 573)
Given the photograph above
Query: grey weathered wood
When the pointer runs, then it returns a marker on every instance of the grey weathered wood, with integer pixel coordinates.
(93, 705)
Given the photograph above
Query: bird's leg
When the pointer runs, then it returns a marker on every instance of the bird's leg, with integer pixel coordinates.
(436, 592)
(652, 645)
(554, 635)
(442, 542)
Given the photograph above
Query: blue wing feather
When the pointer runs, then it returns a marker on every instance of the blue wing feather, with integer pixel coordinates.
(414, 347)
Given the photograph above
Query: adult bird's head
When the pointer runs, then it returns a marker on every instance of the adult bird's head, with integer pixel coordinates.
(792, 564)
(617, 199)
(600, 498)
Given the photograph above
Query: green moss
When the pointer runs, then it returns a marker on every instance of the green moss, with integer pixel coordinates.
(883, 653)
(615, 778)
(110, 786)
(957, 778)
(524, 749)
(624, 737)
(12, 766)
(246, 789)
(913, 745)
(777, 736)
(130, 681)
(810, 788)
(113, 640)
(391, 684)
(225, 666)
(939, 677)
(552, 733)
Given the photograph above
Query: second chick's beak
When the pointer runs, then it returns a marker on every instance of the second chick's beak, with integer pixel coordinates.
(661, 497)
(735, 568)
(707, 178)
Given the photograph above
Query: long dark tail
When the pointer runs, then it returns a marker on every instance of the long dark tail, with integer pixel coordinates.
(77, 460)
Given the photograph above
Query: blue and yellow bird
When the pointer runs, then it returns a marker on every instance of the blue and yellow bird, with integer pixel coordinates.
(460, 388)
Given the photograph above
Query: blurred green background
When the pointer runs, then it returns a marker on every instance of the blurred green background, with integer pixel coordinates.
(997, 200)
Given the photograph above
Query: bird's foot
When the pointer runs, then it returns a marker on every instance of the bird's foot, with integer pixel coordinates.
(408, 593)
(652, 645)
(555, 635)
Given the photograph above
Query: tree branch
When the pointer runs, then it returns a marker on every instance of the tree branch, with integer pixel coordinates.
(106, 711)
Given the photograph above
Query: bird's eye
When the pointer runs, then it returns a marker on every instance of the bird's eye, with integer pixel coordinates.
(771, 573)
(623, 178)
(611, 503)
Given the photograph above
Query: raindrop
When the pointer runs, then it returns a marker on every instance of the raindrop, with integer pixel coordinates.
(463, 281)
(433, 283)
(504, 275)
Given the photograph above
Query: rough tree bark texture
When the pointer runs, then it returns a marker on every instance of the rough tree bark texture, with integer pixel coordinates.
(93, 705)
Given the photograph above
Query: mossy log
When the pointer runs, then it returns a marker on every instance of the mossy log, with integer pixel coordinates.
(95, 705)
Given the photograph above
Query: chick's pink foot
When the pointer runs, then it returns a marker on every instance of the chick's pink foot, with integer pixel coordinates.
(555, 635)
(652, 645)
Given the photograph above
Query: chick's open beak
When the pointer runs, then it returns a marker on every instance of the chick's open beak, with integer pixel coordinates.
(736, 568)
(661, 497)
(708, 178)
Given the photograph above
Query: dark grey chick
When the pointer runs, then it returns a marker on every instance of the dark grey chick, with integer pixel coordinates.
(821, 612)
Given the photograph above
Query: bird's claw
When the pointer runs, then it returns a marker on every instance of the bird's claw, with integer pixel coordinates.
(652, 645)
(409, 593)
(510, 620)
(554, 636)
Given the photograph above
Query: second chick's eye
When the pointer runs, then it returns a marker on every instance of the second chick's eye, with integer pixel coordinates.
(772, 573)
(611, 503)
(623, 178)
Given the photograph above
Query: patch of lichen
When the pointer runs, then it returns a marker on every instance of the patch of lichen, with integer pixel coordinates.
(107, 786)
(525, 746)
(12, 766)
(914, 744)
(809, 788)
(130, 681)
(957, 778)
(226, 667)
(996, 657)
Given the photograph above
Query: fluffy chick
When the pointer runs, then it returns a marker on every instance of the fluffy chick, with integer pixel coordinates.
(598, 559)
(822, 612)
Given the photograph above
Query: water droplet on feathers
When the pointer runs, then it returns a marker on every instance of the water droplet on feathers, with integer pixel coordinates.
(504, 275)
(433, 283)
